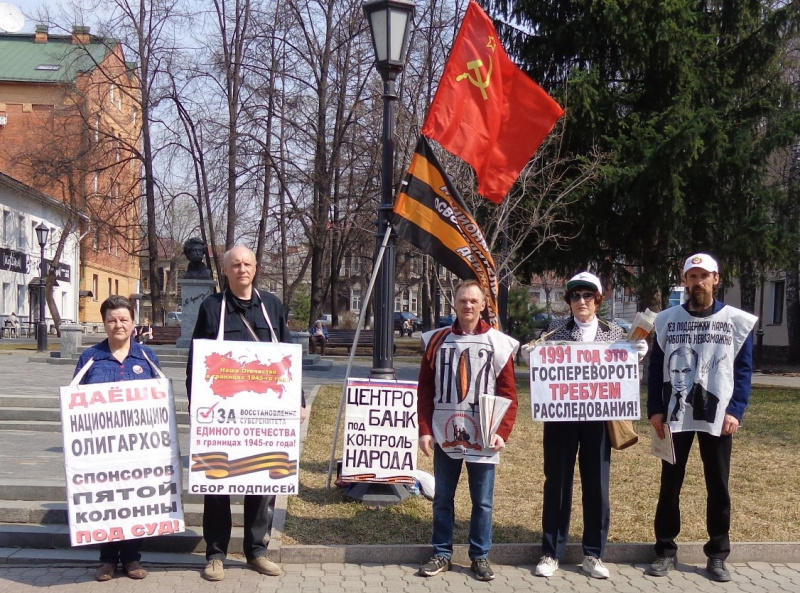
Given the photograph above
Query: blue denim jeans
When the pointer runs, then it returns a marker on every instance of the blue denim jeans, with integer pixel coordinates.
(481, 489)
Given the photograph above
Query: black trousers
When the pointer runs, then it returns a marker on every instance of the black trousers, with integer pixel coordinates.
(562, 442)
(121, 552)
(217, 524)
(715, 453)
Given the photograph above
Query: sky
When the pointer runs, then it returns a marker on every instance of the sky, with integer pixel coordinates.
(31, 7)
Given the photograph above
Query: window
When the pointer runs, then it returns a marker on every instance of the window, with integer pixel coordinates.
(116, 286)
(109, 287)
(416, 265)
(115, 96)
(22, 240)
(22, 293)
(6, 237)
(96, 242)
(6, 304)
(778, 289)
(355, 300)
(95, 286)
(34, 239)
(405, 300)
(146, 282)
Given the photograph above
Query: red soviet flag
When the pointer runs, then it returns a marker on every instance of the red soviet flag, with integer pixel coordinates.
(486, 110)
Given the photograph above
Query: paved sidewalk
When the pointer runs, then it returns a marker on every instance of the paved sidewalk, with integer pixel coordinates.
(754, 577)
(35, 456)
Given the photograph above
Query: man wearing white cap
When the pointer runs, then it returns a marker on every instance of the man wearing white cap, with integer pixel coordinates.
(586, 439)
(721, 340)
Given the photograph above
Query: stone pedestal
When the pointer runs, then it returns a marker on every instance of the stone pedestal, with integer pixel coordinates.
(71, 339)
(193, 292)
(302, 339)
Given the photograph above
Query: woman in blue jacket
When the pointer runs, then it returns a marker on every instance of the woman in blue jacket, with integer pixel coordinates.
(118, 358)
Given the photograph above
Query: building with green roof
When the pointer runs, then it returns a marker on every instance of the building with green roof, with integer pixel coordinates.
(70, 128)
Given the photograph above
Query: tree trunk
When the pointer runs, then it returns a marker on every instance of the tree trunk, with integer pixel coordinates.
(747, 285)
(793, 271)
(793, 312)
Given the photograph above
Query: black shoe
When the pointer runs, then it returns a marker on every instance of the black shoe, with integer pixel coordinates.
(482, 570)
(718, 571)
(434, 566)
(661, 566)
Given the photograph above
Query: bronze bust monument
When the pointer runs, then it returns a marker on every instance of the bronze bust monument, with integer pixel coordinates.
(195, 250)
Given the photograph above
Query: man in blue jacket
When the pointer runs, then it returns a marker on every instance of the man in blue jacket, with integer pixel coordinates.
(719, 339)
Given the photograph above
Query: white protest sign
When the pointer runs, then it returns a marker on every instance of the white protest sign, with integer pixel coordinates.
(122, 461)
(245, 417)
(584, 381)
(381, 431)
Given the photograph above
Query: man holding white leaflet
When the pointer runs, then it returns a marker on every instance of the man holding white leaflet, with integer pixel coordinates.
(462, 363)
(712, 345)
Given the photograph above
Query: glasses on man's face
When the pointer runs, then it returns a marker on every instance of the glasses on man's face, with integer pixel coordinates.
(576, 297)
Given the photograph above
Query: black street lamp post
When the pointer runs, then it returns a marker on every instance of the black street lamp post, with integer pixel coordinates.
(41, 328)
(389, 23)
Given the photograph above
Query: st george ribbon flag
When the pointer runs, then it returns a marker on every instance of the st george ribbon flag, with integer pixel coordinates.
(486, 110)
(430, 214)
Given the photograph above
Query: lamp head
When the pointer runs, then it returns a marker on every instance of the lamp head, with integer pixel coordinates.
(41, 234)
(389, 23)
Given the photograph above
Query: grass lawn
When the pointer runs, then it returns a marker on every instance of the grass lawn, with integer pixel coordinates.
(765, 486)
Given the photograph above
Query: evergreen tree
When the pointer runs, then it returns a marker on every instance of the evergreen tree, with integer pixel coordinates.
(688, 100)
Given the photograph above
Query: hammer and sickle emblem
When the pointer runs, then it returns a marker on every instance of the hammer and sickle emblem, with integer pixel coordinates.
(478, 80)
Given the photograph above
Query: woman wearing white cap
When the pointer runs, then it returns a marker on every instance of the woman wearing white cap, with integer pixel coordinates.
(586, 439)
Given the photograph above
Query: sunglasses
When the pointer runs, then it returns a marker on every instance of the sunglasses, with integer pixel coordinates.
(575, 297)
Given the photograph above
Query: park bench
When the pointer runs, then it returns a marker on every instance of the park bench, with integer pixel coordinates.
(344, 337)
(163, 334)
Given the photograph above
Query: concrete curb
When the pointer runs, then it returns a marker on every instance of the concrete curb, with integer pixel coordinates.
(502, 554)
(528, 554)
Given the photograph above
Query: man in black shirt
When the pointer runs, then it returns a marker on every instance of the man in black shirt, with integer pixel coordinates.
(238, 302)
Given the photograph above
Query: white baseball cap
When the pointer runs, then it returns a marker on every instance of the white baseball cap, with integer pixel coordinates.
(702, 261)
(585, 279)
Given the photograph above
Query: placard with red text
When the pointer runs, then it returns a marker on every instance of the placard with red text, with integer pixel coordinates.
(122, 461)
(584, 381)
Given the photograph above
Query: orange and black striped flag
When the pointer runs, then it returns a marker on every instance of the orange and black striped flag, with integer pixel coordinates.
(430, 214)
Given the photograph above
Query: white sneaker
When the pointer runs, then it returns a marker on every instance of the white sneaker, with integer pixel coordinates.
(595, 567)
(547, 567)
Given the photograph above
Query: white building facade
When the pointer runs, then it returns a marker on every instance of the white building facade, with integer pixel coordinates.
(22, 209)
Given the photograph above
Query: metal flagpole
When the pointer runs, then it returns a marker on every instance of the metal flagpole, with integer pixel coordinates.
(361, 317)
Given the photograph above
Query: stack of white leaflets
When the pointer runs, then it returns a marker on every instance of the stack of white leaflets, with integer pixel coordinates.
(663, 448)
(492, 409)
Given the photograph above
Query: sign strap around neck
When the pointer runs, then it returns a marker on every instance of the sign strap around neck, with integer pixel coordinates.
(221, 331)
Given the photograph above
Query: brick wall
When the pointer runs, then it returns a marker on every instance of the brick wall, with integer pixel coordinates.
(55, 140)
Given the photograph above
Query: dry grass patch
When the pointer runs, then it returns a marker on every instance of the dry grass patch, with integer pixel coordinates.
(764, 486)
